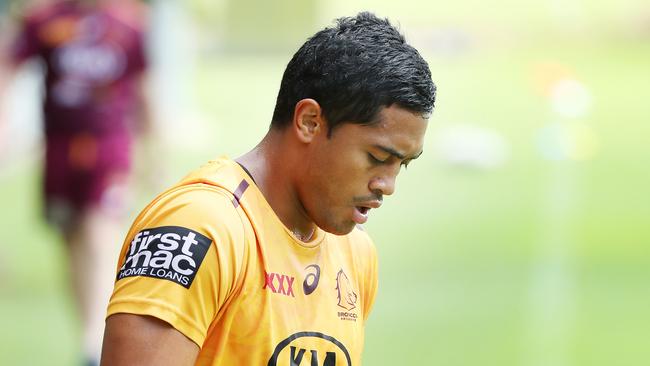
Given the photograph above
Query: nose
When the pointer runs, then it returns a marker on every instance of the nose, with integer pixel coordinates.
(384, 185)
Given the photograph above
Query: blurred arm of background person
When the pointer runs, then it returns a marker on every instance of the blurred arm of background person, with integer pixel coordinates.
(8, 68)
(149, 147)
(146, 129)
(142, 340)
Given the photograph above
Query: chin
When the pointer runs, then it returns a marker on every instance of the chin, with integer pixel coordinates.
(340, 228)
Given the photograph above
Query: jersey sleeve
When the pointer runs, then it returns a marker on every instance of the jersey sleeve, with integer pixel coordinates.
(181, 260)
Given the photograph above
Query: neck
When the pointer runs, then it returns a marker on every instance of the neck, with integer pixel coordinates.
(273, 168)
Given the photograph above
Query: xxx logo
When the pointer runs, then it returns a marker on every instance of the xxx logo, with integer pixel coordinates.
(279, 283)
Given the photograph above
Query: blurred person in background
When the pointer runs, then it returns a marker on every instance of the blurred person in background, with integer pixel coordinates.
(93, 55)
(260, 260)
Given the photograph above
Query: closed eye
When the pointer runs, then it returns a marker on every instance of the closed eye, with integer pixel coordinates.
(374, 160)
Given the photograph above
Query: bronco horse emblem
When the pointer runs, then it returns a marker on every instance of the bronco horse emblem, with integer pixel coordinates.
(346, 296)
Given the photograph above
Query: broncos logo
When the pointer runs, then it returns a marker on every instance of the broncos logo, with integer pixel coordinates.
(346, 296)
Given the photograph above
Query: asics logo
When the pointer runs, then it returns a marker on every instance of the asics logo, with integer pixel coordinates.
(311, 279)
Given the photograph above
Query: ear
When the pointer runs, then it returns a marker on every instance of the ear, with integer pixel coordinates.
(308, 120)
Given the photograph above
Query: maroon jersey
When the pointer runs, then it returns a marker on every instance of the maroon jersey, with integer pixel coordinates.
(93, 57)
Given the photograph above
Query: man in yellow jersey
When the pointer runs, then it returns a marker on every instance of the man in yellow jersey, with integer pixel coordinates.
(259, 260)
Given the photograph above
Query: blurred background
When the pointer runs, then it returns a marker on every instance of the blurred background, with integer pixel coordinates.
(520, 237)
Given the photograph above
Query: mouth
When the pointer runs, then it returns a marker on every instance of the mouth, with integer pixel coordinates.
(361, 212)
(360, 215)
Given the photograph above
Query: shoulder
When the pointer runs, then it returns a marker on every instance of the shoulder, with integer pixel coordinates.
(196, 221)
(201, 197)
(199, 207)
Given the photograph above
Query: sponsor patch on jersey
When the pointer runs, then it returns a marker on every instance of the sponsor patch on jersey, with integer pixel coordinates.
(173, 253)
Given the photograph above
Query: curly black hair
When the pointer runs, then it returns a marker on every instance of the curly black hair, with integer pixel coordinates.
(353, 70)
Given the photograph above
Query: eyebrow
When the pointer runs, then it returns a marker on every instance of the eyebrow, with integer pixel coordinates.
(397, 154)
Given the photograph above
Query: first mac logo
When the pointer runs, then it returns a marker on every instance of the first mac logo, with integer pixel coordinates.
(173, 253)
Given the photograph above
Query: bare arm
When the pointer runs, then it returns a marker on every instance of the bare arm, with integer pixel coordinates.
(8, 68)
(9, 32)
(138, 340)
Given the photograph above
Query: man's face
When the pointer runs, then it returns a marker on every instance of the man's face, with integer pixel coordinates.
(349, 173)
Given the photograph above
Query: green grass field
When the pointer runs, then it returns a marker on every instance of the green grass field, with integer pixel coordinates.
(531, 263)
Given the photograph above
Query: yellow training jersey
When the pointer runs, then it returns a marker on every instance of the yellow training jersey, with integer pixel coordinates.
(210, 257)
